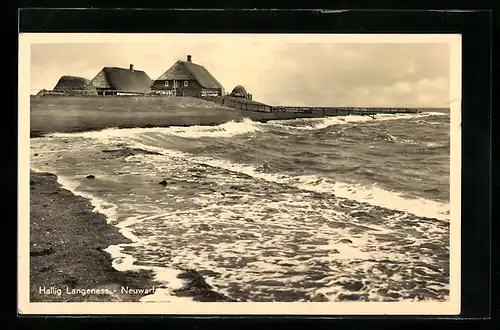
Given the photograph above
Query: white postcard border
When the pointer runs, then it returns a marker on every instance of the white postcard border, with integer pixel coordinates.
(451, 307)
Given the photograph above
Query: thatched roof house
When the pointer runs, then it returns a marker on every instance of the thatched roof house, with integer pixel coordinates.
(188, 79)
(72, 85)
(113, 80)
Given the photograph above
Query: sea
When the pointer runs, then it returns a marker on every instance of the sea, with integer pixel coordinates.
(351, 208)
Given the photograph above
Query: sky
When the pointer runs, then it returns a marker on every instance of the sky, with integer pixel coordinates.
(276, 73)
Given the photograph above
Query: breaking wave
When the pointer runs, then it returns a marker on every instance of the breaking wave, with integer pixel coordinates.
(270, 234)
(321, 123)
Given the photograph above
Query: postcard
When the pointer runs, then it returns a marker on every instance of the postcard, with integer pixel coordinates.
(255, 174)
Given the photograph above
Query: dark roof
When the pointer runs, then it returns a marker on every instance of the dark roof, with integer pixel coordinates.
(183, 70)
(127, 80)
(239, 90)
(73, 83)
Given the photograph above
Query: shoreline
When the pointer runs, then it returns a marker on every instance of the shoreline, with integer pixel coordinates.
(68, 262)
(195, 122)
(67, 242)
(181, 122)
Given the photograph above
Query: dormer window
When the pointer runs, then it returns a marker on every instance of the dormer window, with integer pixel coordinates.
(166, 83)
(185, 83)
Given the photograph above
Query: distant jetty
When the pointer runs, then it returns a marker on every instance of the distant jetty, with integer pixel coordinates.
(250, 105)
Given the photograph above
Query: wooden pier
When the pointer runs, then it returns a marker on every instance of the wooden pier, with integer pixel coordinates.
(343, 111)
(249, 105)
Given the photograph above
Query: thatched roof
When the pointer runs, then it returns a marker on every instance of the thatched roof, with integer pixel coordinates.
(122, 79)
(72, 83)
(184, 70)
(239, 90)
(41, 92)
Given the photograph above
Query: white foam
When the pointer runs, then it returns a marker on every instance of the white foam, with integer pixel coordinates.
(227, 129)
(321, 123)
(389, 199)
(166, 276)
(373, 194)
(368, 194)
(275, 223)
(430, 113)
(100, 206)
(233, 128)
(389, 137)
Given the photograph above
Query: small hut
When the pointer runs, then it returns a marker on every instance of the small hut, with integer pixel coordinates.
(121, 81)
(240, 91)
(71, 85)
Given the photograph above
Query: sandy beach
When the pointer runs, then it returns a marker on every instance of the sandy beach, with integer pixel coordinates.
(67, 240)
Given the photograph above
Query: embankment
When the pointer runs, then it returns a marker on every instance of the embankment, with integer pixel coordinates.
(51, 114)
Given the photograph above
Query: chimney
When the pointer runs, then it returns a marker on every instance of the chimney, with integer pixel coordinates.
(131, 67)
(189, 58)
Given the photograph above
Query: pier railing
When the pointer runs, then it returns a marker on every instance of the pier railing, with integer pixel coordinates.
(326, 111)
(244, 104)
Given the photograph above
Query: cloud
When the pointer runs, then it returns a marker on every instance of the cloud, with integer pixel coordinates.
(439, 83)
(402, 87)
(314, 74)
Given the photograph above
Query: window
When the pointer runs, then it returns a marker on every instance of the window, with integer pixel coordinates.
(166, 83)
(185, 83)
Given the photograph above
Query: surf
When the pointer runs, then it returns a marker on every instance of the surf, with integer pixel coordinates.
(322, 123)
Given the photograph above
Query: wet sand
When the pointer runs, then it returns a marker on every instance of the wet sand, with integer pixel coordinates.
(67, 258)
(67, 242)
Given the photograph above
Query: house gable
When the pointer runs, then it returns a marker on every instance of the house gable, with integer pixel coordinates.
(202, 75)
(185, 70)
(100, 81)
(177, 72)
